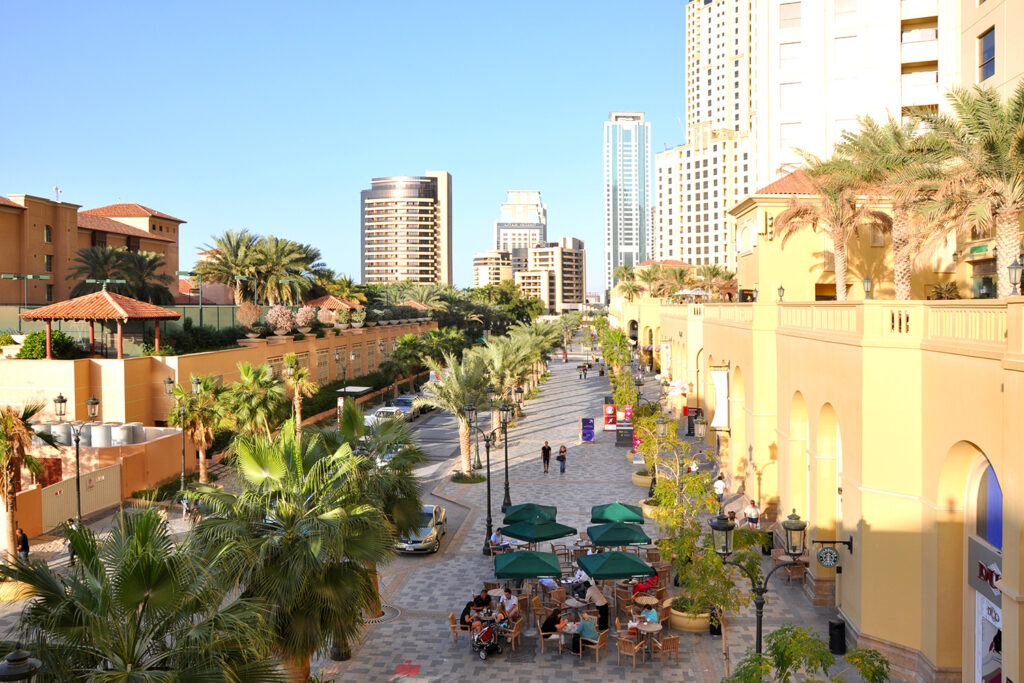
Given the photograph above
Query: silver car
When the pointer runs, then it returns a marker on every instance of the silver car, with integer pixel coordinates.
(426, 539)
(404, 403)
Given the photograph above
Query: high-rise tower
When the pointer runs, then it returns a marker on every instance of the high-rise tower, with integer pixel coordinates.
(523, 224)
(627, 161)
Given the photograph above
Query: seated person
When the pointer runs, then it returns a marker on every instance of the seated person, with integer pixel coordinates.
(554, 623)
(468, 617)
(648, 584)
(498, 540)
(584, 630)
(509, 604)
(549, 584)
(650, 614)
(482, 601)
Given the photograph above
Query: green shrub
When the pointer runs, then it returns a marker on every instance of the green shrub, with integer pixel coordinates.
(195, 339)
(63, 346)
(460, 478)
(327, 396)
(6, 339)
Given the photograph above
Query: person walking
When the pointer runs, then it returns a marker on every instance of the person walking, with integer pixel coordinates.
(580, 368)
(561, 459)
(752, 513)
(72, 526)
(720, 488)
(585, 372)
(22, 544)
(545, 456)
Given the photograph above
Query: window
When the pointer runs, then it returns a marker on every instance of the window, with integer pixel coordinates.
(987, 54)
(789, 134)
(133, 243)
(789, 15)
(49, 293)
(48, 263)
(989, 509)
(845, 52)
(789, 95)
(789, 54)
(47, 233)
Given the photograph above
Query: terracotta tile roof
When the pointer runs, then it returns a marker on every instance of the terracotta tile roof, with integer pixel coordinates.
(796, 182)
(89, 221)
(4, 201)
(102, 305)
(184, 294)
(332, 303)
(670, 263)
(130, 211)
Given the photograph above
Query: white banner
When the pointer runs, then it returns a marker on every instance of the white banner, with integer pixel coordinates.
(666, 360)
(720, 378)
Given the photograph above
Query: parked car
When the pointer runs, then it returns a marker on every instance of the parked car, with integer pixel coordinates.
(426, 539)
(404, 403)
(383, 414)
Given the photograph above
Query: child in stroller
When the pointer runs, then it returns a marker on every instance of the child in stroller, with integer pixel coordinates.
(485, 641)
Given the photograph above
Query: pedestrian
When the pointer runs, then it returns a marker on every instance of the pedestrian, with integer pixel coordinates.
(595, 597)
(720, 488)
(22, 544)
(585, 371)
(561, 459)
(580, 368)
(752, 513)
(72, 526)
(545, 455)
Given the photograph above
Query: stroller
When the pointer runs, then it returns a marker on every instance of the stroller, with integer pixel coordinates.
(485, 641)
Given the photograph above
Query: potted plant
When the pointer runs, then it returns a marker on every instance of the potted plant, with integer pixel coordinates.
(642, 477)
(341, 318)
(357, 317)
(304, 319)
(281, 320)
(248, 315)
(372, 316)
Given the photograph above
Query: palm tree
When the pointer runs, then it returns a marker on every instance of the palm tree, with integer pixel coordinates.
(255, 401)
(299, 538)
(140, 610)
(676, 280)
(429, 295)
(97, 263)
(199, 416)
(629, 289)
(407, 356)
(140, 270)
(344, 287)
(944, 291)
(624, 272)
(837, 209)
(231, 255)
(714, 276)
(436, 343)
(300, 384)
(283, 267)
(981, 181)
(458, 385)
(15, 439)
(649, 276)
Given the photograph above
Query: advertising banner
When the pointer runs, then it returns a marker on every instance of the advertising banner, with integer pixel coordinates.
(720, 378)
(609, 417)
(587, 429)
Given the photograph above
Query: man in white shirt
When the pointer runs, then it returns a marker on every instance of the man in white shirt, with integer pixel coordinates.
(752, 513)
(578, 579)
(720, 488)
(509, 603)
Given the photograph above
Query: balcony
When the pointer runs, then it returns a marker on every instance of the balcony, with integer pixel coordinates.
(918, 51)
(918, 9)
(920, 95)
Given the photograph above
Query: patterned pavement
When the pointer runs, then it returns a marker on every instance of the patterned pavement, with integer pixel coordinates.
(416, 646)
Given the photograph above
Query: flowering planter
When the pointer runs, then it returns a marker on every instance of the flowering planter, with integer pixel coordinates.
(642, 480)
(341, 326)
(305, 330)
(686, 622)
(252, 335)
(358, 325)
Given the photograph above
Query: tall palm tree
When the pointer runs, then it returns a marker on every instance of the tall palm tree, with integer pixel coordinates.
(408, 357)
(629, 289)
(624, 272)
(981, 181)
(144, 281)
(301, 385)
(231, 255)
(285, 269)
(344, 287)
(140, 609)
(15, 439)
(837, 209)
(436, 343)
(676, 280)
(255, 401)
(198, 418)
(97, 263)
(649, 276)
(300, 539)
(459, 384)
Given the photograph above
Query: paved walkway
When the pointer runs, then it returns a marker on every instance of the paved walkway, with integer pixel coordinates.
(413, 643)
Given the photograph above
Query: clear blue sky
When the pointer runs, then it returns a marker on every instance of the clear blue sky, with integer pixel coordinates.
(274, 115)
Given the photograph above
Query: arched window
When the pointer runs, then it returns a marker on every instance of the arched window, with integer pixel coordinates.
(989, 510)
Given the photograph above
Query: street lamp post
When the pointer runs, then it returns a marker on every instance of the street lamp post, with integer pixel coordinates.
(782, 291)
(169, 388)
(470, 409)
(506, 414)
(1015, 269)
(196, 274)
(60, 407)
(722, 529)
(519, 399)
(867, 287)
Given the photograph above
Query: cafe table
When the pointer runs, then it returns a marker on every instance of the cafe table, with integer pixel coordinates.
(575, 605)
(645, 600)
(649, 628)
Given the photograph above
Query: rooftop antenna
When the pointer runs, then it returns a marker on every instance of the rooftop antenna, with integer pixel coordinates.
(57, 191)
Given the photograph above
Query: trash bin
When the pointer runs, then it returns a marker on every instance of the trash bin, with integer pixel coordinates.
(837, 636)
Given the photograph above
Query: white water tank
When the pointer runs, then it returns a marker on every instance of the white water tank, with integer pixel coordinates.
(138, 432)
(62, 433)
(100, 437)
(120, 435)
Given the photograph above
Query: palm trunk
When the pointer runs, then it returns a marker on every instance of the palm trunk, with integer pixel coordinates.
(1006, 240)
(901, 255)
(238, 294)
(464, 449)
(374, 607)
(296, 669)
(204, 477)
(840, 266)
(297, 404)
(12, 472)
(9, 530)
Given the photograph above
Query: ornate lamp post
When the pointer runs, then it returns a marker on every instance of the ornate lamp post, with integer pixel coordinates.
(60, 407)
(722, 529)
(506, 414)
(19, 666)
(470, 409)
(169, 388)
(1014, 269)
(782, 291)
(700, 427)
(519, 399)
(867, 287)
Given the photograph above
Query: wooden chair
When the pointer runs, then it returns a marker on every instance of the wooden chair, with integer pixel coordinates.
(653, 555)
(555, 598)
(664, 614)
(622, 633)
(669, 645)
(539, 612)
(524, 605)
(578, 553)
(596, 645)
(456, 628)
(798, 571)
(491, 585)
(663, 575)
(779, 556)
(513, 634)
(541, 637)
(623, 597)
(628, 648)
(660, 592)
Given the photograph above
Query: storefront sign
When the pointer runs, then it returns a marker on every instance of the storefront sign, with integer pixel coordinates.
(587, 429)
(984, 568)
(609, 417)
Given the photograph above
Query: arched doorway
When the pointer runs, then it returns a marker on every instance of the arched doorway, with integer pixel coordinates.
(825, 504)
(633, 330)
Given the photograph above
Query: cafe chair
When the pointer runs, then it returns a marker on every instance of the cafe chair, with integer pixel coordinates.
(653, 557)
(796, 572)
(629, 648)
(596, 645)
(456, 628)
(555, 598)
(491, 585)
(514, 633)
(664, 613)
(542, 637)
(669, 645)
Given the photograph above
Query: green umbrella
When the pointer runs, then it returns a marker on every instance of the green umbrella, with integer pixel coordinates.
(616, 512)
(614, 564)
(526, 564)
(537, 530)
(530, 512)
(617, 533)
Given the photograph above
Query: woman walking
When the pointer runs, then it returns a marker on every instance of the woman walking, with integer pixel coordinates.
(561, 459)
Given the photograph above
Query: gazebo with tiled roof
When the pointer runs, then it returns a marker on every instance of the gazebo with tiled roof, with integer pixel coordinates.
(101, 306)
(333, 303)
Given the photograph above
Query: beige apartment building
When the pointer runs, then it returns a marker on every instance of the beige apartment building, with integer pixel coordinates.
(42, 237)
(491, 267)
(523, 224)
(556, 274)
(989, 30)
(406, 229)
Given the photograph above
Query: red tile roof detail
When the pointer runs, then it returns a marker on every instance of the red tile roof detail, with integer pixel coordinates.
(4, 201)
(670, 263)
(102, 305)
(332, 303)
(796, 182)
(130, 211)
(89, 221)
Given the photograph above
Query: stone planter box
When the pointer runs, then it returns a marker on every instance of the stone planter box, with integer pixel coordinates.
(360, 324)
(686, 622)
(641, 480)
(648, 510)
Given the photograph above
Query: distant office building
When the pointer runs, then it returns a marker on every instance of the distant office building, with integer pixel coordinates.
(523, 224)
(565, 263)
(407, 229)
(539, 284)
(491, 267)
(627, 161)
